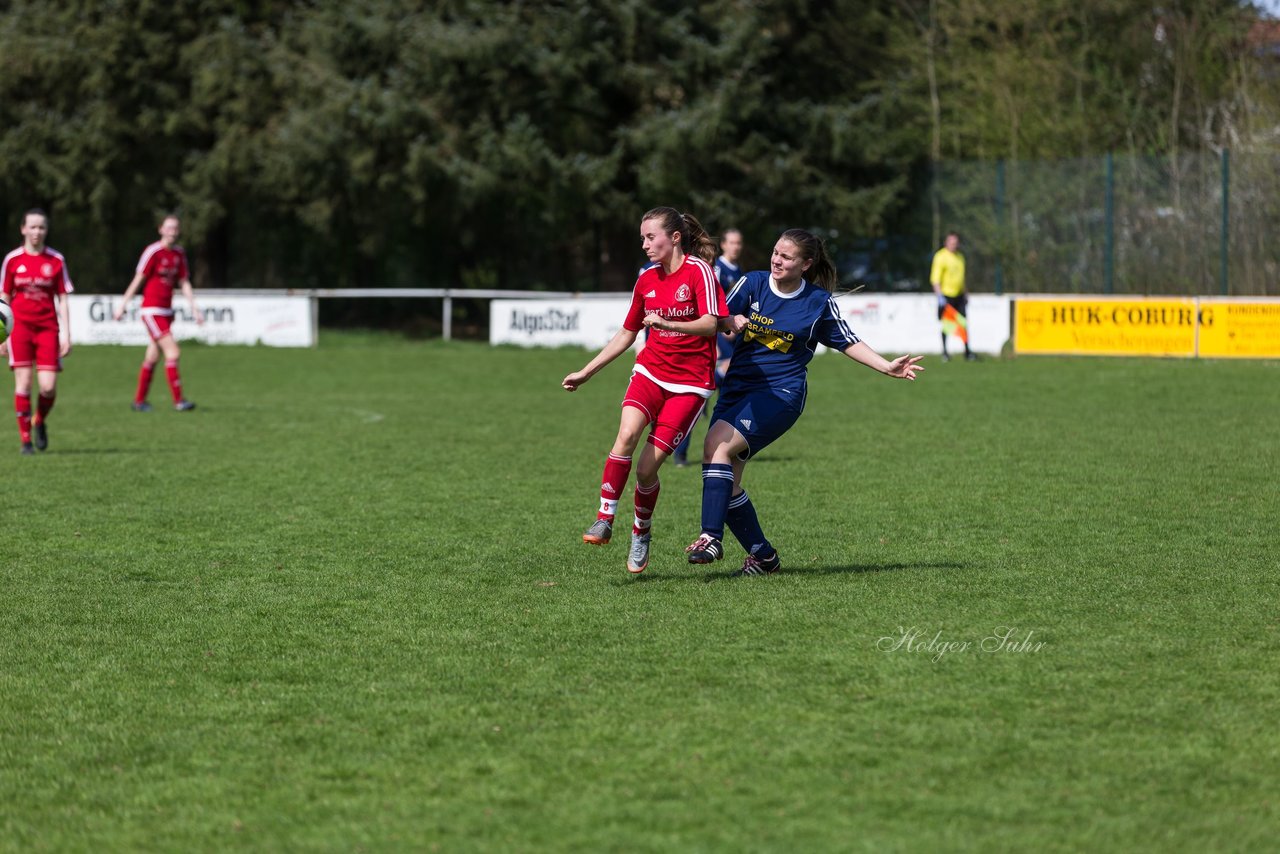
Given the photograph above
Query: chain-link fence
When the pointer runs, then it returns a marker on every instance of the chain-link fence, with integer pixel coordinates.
(1118, 224)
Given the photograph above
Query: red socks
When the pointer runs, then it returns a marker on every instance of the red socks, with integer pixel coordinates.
(175, 382)
(43, 405)
(646, 499)
(144, 382)
(22, 405)
(616, 471)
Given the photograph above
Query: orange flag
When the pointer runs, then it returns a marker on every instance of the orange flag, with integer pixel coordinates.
(953, 323)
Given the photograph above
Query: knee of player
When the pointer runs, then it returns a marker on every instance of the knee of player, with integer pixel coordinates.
(718, 434)
(721, 455)
(627, 440)
(647, 470)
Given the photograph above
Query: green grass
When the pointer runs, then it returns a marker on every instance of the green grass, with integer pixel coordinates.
(345, 605)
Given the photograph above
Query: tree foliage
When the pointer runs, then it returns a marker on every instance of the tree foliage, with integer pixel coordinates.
(510, 144)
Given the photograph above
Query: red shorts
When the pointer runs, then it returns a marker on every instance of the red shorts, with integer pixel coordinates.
(158, 325)
(34, 345)
(671, 413)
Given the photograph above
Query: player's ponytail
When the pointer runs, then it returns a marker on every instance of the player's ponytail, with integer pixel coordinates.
(694, 239)
(822, 272)
(697, 241)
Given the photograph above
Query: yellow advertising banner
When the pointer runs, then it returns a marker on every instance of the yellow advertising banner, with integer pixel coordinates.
(1103, 326)
(1239, 328)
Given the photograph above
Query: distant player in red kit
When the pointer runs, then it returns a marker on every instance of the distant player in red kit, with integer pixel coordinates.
(162, 266)
(36, 284)
(680, 301)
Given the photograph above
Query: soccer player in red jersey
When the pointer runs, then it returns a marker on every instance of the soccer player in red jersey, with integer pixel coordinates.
(680, 302)
(163, 264)
(36, 283)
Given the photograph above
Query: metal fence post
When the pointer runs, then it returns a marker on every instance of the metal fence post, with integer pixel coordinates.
(315, 318)
(448, 317)
(1109, 252)
(1225, 240)
(999, 227)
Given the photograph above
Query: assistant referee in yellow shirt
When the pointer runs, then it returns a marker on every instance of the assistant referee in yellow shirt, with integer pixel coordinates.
(947, 278)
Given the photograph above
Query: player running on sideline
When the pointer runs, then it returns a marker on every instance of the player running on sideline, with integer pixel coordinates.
(681, 303)
(36, 283)
(781, 317)
(163, 264)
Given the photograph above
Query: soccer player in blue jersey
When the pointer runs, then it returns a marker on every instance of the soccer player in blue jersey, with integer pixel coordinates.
(727, 268)
(781, 316)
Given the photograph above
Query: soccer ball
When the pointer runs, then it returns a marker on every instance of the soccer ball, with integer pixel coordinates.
(6, 316)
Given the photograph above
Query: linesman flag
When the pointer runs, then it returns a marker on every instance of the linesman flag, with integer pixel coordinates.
(953, 323)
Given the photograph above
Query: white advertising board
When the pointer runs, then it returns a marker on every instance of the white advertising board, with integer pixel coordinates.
(890, 323)
(586, 323)
(276, 321)
(908, 323)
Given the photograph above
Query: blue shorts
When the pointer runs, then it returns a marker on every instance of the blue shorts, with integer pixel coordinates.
(760, 415)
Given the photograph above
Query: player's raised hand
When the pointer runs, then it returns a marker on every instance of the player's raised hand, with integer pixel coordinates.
(573, 380)
(905, 367)
(737, 323)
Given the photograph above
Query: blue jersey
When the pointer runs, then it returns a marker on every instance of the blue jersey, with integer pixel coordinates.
(724, 347)
(782, 333)
(727, 273)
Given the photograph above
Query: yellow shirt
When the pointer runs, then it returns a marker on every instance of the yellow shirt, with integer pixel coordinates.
(948, 272)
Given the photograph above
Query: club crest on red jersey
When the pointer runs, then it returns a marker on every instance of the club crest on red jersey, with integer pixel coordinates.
(46, 270)
(683, 293)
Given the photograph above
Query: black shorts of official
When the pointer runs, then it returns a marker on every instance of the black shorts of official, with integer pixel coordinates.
(959, 303)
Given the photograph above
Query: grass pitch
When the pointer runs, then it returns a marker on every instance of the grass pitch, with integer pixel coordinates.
(345, 605)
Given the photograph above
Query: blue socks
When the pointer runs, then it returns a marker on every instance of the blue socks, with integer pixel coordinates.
(717, 486)
(720, 507)
(742, 520)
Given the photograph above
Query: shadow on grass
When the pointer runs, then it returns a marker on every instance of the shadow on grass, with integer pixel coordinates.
(64, 452)
(696, 464)
(706, 578)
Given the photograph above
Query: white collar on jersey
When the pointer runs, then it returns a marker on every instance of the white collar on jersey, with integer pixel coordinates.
(773, 286)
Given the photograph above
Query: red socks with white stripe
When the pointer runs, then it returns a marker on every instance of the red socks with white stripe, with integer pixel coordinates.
(646, 498)
(616, 471)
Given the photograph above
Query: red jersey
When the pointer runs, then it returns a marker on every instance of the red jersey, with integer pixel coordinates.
(678, 361)
(163, 269)
(31, 282)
